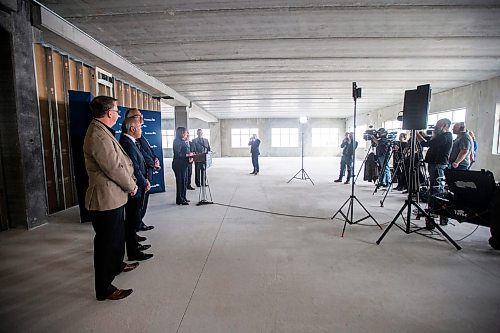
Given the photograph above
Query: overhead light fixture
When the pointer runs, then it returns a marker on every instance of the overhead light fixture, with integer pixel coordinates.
(303, 120)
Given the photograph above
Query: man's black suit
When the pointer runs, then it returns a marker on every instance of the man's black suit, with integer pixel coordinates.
(134, 204)
(254, 150)
(200, 145)
(149, 159)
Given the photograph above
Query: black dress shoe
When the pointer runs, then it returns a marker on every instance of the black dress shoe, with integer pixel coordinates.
(338, 180)
(252, 173)
(140, 256)
(185, 203)
(143, 247)
(116, 295)
(187, 200)
(146, 227)
(190, 188)
(140, 238)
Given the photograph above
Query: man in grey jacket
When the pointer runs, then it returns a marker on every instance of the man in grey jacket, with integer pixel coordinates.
(200, 145)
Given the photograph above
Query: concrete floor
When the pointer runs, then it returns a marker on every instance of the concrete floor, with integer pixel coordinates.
(222, 269)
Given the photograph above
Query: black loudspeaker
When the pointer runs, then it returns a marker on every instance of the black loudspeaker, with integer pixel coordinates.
(416, 108)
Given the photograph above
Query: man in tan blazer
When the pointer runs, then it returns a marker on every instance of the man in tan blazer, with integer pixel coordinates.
(111, 180)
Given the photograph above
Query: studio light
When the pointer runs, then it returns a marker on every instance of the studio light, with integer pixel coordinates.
(303, 120)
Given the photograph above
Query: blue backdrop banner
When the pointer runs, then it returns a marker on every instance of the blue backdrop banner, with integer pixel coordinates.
(80, 119)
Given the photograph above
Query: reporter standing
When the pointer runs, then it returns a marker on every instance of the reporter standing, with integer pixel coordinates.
(461, 149)
(254, 144)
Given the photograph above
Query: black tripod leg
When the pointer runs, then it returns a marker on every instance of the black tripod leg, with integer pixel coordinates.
(307, 176)
(295, 176)
(392, 223)
(340, 209)
(351, 206)
(367, 212)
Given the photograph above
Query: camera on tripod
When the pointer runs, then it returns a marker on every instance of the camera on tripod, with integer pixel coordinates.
(369, 133)
(430, 130)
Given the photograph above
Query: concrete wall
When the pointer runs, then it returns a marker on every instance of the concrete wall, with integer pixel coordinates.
(265, 125)
(480, 101)
(20, 125)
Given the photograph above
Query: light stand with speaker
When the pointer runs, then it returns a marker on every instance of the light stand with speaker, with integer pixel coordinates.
(204, 197)
(302, 172)
(416, 108)
(349, 215)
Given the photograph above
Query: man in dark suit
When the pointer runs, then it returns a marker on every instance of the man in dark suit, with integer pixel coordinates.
(190, 165)
(111, 181)
(348, 144)
(152, 163)
(200, 145)
(254, 144)
(131, 131)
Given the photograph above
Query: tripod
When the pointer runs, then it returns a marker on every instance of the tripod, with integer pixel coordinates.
(349, 215)
(364, 161)
(303, 173)
(399, 166)
(382, 171)
(411, 202)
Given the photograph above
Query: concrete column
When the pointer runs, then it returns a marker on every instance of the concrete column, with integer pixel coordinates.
(181, 116)
(20, 136)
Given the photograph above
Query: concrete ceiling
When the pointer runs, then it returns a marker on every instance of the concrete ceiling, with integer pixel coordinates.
(246, 59)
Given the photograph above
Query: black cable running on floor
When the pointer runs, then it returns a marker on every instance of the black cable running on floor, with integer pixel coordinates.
(287, 215)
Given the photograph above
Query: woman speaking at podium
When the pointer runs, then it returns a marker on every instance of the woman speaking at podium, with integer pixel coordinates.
(180, 163)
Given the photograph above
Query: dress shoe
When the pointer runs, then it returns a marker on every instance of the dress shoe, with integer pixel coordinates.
(130, 267)
(338, 180)
(346, 182)
(140, 256)
(256, 173)
(190, 187)
(185, 203)
(252, 173)
(146, 227)
(140, 238)
(143, 247)
(187, 200)
(117, 294)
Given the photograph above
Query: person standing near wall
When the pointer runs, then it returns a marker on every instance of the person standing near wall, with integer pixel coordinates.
(254, 144)
(190, 165)
(473, 152)
(111, 181)
(152, 163)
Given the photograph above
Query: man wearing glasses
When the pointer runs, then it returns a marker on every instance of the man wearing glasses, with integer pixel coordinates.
(152, 163)
(111, 180)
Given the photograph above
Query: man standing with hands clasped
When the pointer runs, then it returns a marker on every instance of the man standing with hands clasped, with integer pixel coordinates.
(346, 160)
(111, 180)
(254, 144)
(200, 145)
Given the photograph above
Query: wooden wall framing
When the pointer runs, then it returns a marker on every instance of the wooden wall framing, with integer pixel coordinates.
(56, 73)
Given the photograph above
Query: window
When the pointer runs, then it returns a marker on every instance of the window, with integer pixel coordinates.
(325, 137)
(285, 137)
(496, 132)
(455, 116)
(193, 135)
(393, 125)
(167, 138)
(241, 136)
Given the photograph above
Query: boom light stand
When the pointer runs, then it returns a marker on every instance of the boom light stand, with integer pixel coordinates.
(302, 172)
(349, 215)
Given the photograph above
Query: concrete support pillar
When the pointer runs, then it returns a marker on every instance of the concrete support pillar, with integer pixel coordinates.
(181, 116)
(23, 183)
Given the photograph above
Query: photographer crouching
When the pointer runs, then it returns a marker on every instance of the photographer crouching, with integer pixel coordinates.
(438, 154)
(382, 150)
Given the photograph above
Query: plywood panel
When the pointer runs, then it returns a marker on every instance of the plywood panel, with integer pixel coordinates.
(43, 89)
(139, 99)
(92, 81)
(73, 76)
(127, 95)
(133, 97)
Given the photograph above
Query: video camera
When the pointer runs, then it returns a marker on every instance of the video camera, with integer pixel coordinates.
(369, 133)
(430, 130)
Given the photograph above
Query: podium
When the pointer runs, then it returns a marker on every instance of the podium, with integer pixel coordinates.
(203, 196)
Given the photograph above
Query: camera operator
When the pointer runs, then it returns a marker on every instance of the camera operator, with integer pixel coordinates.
(461, 149)
(382, 145)
(439, 151)
(346, 161)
